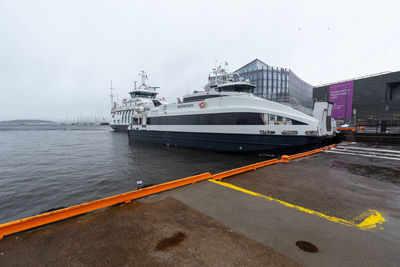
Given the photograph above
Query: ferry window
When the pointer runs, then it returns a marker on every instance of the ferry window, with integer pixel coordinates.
(279, 120)
(198, 98)
(272, 119)
(143, 94)
(287, 121)
(247, 119)
(170, 120)
(156, 103)
(209, 119)
(296, 122)
(265, 118)
(224, 119)
(236, 88)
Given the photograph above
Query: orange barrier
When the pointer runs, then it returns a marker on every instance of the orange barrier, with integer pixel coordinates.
(286, 158)
(346, 129)
(349, 129)
(250, 167)
(49, 217)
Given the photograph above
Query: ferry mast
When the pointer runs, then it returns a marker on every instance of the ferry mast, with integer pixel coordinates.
(112, 96)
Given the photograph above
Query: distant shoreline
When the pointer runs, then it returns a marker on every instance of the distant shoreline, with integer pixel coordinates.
(28, 121)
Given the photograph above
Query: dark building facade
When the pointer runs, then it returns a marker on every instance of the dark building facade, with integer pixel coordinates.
(365, 99)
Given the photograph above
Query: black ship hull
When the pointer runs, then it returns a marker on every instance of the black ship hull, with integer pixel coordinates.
(242, 143)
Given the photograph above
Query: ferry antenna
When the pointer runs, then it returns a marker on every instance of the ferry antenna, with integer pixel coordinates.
(112, 95)
(144, 76)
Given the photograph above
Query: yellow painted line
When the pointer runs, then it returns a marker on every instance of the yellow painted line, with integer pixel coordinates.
(367, 220)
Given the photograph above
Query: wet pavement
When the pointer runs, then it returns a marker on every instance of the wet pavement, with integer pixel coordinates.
(329, 183)
(162, 233)
(309, 211)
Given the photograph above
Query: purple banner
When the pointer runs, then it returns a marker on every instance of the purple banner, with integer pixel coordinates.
(338, 93)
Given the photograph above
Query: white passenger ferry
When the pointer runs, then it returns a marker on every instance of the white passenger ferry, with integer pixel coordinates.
(228, 117)
(142, 98)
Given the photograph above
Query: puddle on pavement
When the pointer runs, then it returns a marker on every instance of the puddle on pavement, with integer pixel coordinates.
(307, 246)
(376, 172)
(171, 241)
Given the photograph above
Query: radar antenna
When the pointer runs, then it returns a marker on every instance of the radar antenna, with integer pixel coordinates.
(144, 77)
(112, 95)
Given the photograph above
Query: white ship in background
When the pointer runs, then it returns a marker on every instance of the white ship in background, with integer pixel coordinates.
(228, 117)
(142, 98)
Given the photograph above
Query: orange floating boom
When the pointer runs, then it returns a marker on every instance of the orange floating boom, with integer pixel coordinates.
(49, 217)
(254, 166)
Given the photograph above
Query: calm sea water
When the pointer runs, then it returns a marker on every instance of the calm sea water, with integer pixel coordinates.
(48, 166)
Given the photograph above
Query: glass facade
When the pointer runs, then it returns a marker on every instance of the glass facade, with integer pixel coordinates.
(277, 84)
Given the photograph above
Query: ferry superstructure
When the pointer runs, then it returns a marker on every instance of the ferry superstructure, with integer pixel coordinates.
(228, 117)
(142, 97)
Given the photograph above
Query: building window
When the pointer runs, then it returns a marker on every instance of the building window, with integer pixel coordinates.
(395, 91)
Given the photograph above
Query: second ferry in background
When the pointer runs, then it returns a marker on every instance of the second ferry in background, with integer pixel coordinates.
(142, 98)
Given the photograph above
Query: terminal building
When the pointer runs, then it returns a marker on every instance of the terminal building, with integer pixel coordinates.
(277, 84)
(364, 100)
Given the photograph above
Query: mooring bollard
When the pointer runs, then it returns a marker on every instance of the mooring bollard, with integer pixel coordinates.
(285, 158)
(139, 183)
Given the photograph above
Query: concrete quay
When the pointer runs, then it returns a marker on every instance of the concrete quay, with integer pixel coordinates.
(346, 205)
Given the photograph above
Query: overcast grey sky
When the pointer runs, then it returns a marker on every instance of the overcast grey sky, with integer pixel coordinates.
(57, 57)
